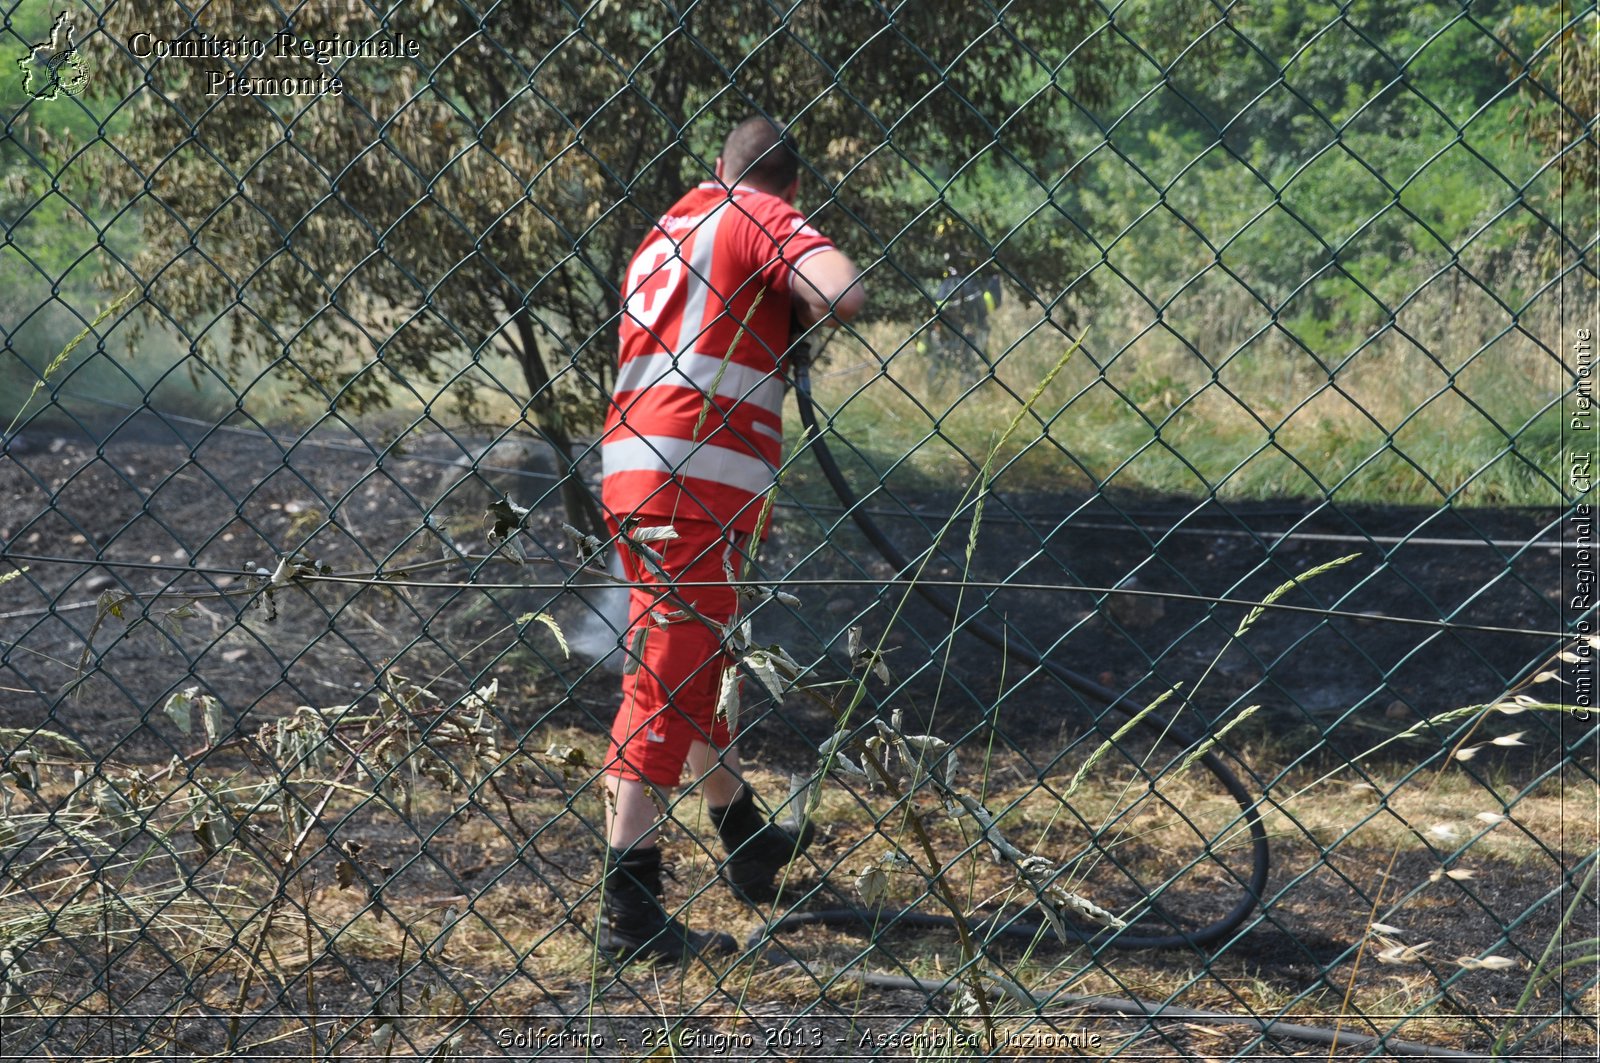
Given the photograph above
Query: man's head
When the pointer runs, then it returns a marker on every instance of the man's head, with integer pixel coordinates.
(758, 154)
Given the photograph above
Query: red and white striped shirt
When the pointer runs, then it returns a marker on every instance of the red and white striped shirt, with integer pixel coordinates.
(706, 308)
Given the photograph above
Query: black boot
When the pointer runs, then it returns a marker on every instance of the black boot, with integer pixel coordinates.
(757, 849)
(634, 926)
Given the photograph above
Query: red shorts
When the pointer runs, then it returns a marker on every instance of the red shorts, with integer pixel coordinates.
(673, 664)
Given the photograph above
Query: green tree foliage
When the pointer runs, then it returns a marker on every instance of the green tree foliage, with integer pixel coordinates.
(41, 120)
(1293, 72)
(47, 283)
(1271, 178)
(1332, 157)
(486, 195)
(1553, 57)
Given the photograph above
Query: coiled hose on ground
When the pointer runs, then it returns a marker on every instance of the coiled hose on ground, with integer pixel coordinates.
(1249, 896)
(1252, 890)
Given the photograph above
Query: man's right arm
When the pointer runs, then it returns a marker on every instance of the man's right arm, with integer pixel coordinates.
(827, 288)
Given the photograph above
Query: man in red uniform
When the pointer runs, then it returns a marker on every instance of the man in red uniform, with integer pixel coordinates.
(693, 440)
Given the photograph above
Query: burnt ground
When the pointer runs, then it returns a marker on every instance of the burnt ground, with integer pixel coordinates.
(175, 524)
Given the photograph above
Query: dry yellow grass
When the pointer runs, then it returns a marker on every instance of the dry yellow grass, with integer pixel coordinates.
(518, 941)
(1213, 396)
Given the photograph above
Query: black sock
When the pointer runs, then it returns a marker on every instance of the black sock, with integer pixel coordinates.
(740, 821)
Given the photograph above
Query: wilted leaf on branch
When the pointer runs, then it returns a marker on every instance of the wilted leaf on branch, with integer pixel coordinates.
(864, 658)
(482, 697)
(873, 884)
(110, 802)
(448, 547)
(509, 518)
(760, 663)
(831, 755)
(173, 618)
(448, 920)
(919, 753)
(773, 666)
(590, 549)
(736, 635)
(291, 567)
(211, 714)
(663, 617)
(637, 540)
(754, 592)
(656, 534)
(728, 698)
(871, 660)
(569, 756)
(179, 709)
(1043, 876)
(804, 796)
(110, 604)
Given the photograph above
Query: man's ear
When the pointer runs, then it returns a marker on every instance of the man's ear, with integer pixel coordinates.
(718, 169)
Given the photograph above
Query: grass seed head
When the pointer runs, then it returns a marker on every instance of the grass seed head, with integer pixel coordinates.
(1486, 963)
(1404, 953)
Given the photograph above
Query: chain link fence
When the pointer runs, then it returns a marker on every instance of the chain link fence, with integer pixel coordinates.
(1179, 608)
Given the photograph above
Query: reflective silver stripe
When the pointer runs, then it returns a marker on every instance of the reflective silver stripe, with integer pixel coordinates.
(697, 285)
(767, 430)
(684, 457)
(697, 371)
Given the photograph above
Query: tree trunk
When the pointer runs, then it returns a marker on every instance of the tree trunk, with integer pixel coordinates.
(581, 509)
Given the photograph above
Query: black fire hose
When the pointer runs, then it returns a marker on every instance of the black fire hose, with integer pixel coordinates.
(1120, 703)
(1271, 1029)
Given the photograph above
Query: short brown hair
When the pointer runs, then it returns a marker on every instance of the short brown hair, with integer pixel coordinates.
(758, 152)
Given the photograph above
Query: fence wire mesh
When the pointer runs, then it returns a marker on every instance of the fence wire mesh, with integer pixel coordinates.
(1208, 478)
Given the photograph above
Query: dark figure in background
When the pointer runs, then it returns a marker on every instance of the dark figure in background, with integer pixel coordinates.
(957, 343)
